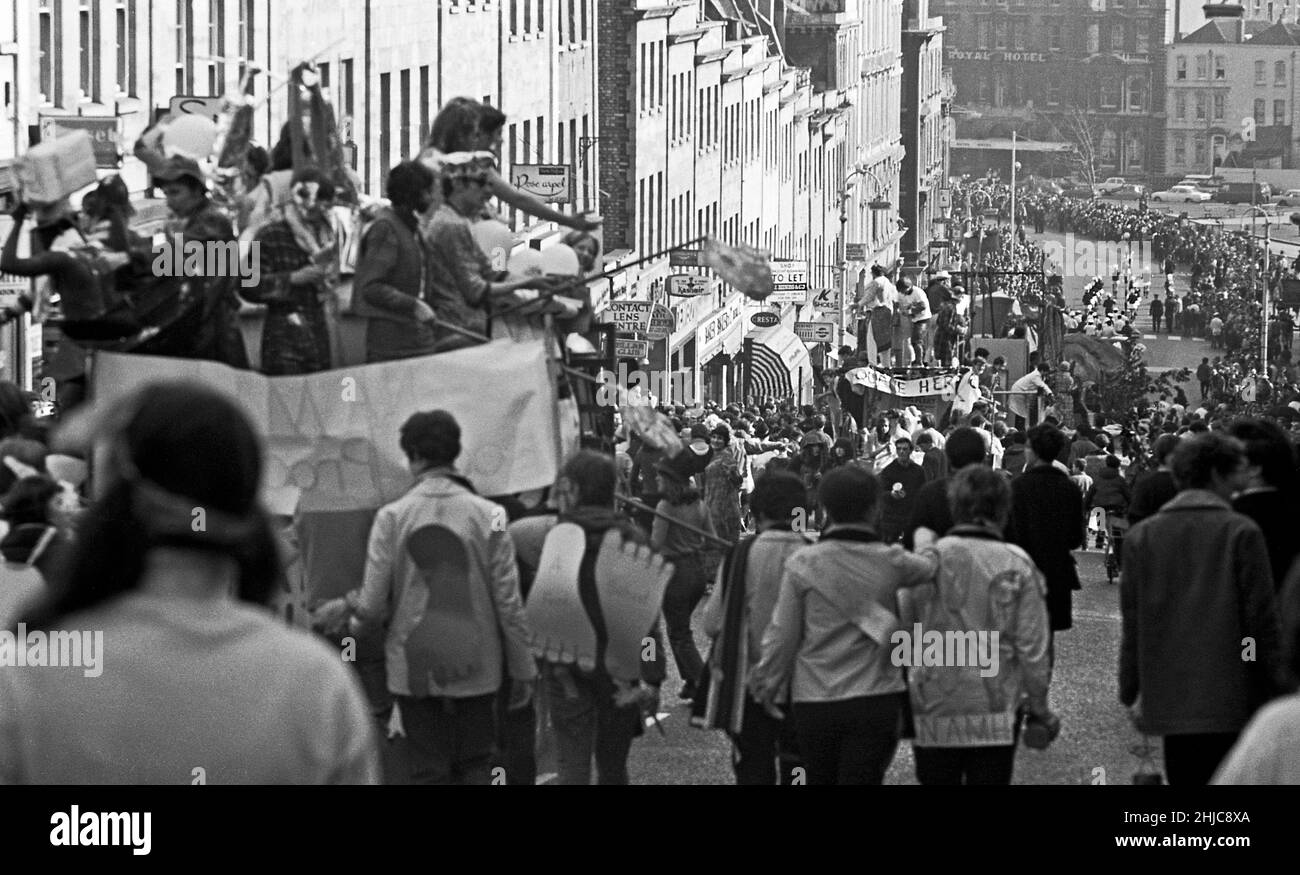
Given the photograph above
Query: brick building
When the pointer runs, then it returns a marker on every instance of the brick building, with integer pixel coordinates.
(1065, 75)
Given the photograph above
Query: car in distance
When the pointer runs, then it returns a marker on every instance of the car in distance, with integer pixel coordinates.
(1113, 185)
(1186, 194)
(1289, 198)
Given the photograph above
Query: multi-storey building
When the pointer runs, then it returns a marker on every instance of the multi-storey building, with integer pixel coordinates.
(1229, 70)
(1079, 77)
(767, 123)
(386, 65)
(924, 129)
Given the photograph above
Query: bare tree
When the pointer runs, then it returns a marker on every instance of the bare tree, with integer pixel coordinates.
(1076, 128)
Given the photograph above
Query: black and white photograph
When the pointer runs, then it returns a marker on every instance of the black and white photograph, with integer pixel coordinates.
(657, 393)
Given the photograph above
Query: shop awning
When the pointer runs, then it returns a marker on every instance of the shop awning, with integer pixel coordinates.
(778, 363)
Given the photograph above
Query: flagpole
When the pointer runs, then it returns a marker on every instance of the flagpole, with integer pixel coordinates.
(709, 536)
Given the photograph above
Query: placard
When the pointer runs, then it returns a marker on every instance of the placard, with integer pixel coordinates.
(815, 332)
(631, 349)
(552, 183)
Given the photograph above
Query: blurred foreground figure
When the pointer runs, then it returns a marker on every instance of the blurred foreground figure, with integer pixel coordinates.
(178, 672)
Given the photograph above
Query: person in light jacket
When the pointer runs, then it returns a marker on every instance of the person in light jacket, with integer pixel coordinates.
(441, 576)
(990, 597)
(1199, 645)
(828, 641)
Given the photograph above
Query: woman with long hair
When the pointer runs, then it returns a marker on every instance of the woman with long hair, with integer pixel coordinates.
(722, 479)
(187, 677)
(465, 125)
(680, 503)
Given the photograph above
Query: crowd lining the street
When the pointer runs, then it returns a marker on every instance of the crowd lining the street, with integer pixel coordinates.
(811, 535)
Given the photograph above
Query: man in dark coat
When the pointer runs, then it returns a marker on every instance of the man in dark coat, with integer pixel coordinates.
(901, 481)
(1270, 497)
(389, 285)
(1047, 520)
(1199, 651)
(1154, 488)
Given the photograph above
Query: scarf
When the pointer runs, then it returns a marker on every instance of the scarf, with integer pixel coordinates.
(313, 238)
(723, 697)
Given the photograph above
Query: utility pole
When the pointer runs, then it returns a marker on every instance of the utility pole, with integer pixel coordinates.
(1013, 187)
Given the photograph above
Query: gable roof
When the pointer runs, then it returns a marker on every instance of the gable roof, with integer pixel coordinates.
(1274, 35)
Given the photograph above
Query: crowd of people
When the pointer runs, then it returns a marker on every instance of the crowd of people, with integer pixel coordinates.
(818, 547)
(410, 264)
(814, 561)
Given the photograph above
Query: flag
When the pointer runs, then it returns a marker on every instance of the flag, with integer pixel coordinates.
(316, 139)
(746, 268)
(967, 394)
(332, 438)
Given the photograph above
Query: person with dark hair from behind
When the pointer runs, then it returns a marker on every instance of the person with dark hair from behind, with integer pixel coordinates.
(736, 616)
(1154, 488)
(441, 577)
(932, 516)
(966, 720)
(29, 546)
(175, 563)
(1047, 521)
(1272, 494)
(1196, 590)
(16, 418)
(829, 639)
(589, 723)
(1109, 490)
(1268, 751)
(389, 287)
(680, 502)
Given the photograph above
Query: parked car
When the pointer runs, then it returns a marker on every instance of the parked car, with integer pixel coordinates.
(1126, 191)
(1205, 182)
(1113, 185)
(1242, 193)
(1079, 190)
(1186, 194)
(1289, 198)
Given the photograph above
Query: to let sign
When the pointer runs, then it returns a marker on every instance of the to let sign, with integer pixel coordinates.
(630, 317)
(105, 135)
(549, 182)
(789, 282)
(815, 332)
(855, 252)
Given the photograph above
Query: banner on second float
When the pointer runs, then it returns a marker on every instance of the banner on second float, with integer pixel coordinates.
(332, 437)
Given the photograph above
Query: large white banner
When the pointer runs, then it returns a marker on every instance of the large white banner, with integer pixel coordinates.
(938, 384)
(332, 438)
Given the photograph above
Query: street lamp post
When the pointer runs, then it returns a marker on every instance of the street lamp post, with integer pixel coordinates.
(876, 203)
(1268, 241)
